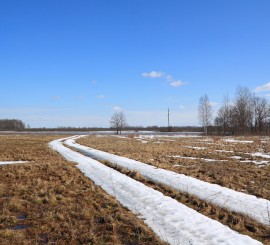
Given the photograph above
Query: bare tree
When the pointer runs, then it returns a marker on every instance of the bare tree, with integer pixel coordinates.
(224, 116)
(260, 113)
(205, 112)
(243, 110)
(118, 121)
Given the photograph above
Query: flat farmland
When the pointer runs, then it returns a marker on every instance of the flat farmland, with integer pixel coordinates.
(239, 163)
(47, 200)
(134, 189)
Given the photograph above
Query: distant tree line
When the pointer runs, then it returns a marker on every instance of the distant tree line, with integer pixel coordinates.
(133, 128)
(11, 124)
(248, 114)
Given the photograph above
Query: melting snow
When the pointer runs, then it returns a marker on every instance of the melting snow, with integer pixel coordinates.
(224, 151)
(239, 141)
(235, 157)
(256, 208)
(197, 158)
(12, 162)
(170, 220)
(259, 154)
(195, 147)
(255, 162)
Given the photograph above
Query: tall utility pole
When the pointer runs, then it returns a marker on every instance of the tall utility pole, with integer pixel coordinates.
(168, 119)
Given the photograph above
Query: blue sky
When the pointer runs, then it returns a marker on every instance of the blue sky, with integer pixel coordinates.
(74, 63)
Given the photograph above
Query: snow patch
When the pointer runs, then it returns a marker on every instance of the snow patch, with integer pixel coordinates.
(197, 158)
(250, 205)
(12, 162)
(196, 147)
(238, 141)
(255, 162)
(224, 151)
(259, 154)
(235, 157)
(172, 221)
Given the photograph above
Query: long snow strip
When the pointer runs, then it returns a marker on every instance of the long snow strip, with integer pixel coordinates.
(170, 220)
(256, 208)
(12, 162)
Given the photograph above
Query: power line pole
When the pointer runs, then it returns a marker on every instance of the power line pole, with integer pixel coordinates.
(168, 119)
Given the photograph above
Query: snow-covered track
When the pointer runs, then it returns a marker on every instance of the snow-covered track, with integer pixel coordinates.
(256, 208)
(169, 219)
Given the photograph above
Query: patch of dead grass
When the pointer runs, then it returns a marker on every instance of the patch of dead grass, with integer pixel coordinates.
(248, 178)
(49, 201)
(237, 222)
(244, 177)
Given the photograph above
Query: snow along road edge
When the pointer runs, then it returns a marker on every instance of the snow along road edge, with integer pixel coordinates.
(172, 221)
(255, 208)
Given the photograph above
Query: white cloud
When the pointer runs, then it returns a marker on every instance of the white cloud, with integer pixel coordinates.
(101, 96)
(117, 108)
(174, 83)
(168, 77)
(265, 87)
(153, 74)
(93, 81)
(182, 107)
(177, 83)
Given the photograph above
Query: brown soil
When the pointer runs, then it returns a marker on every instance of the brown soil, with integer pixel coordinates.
(49, 201)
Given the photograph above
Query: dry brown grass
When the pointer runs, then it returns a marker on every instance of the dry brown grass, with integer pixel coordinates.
(237, 222)
(244, 177)
(49, 201)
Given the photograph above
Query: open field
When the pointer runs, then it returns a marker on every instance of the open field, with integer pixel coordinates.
(241, 164)
(214, 160)
(49, 201)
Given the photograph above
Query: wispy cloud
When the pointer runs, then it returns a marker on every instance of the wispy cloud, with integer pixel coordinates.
(265, 87)
(182, 107)
(93, 81)
(153, 74)
(177, 83)
(101, 96)
(168, 77)
(173, 82)
(117, 108)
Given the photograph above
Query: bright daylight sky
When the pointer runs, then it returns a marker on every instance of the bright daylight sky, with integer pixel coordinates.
(76, 62)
